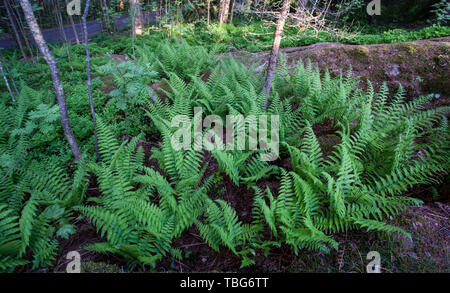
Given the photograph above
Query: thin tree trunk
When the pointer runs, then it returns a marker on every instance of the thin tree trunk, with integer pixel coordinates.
(137, 16)
(7, 83)
(301, 8)
(75, 32)
(10, 75)
(232, 11)
(14, 28)
(24, 34)
(223, 11)
(276, 48)
(133, 24)
(63, 32)
(50, 59)
(89, 83)
(160, 13)
(208, 7)
(105, 16)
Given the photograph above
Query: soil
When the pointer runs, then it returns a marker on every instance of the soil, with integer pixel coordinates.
(421, 67)
(429, 224)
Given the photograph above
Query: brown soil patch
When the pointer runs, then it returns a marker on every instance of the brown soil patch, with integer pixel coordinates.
(422, 67)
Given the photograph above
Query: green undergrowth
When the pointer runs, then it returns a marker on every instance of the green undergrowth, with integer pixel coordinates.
(382, 144)
(256, 37)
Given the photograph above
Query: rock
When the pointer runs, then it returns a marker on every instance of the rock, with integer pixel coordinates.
(394, 71)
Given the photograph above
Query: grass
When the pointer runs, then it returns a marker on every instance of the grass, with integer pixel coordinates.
(257, 36)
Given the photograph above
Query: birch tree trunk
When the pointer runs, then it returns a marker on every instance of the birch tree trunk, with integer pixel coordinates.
(50, 59)
(14, 28)
(18, 19)
(7, 83)
(301, 8)
(208, 7)
(137, 17)
(105, 17)
(232, 11)
(59, 20)
(276, 48)
(6, 69)
(89, 83)
(223, 11)
(75, 32)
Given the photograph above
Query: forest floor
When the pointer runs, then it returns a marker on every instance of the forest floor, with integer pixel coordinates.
(422, 67)
(427, 251)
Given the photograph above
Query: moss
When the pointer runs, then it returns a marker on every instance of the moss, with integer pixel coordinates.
(445, 47)
(360, 51)
(99, 267)
(411, 48)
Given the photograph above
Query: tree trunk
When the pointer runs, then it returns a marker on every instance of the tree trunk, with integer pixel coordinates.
(160, 13)
(10, 75)
(14, 28)
(89, 83)
(59, 20)
(50, 59)
(137, 16)
(208, 7)
(276, 48)
(7, 83)
(223, 11)
(232, 11)
(105, 16)
(18, 19)
(301, 8)
(75, 32)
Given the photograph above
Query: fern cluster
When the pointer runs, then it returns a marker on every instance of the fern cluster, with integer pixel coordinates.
(36, 202)
(376, 155)
(178, 58)
(347, 156)
(141, 210)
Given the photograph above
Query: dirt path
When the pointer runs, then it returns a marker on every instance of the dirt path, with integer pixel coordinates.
(422, 67)
(94, 27)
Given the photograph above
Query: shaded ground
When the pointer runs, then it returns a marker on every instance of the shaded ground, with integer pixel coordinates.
(422, 67)
(429, 225)
(428, 251)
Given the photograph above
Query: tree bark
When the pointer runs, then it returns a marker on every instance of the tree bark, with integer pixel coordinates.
(7, 83)
(50, 59)
(208, 7)
(59, 20)
(89, 83)
(105, 17)
(136, 21)
(301, 9)
(75, 32)
(10, 75)
(232, 11)
(14, 28)
(223, 11)
(18, 19)
(276, 48)
(137, 17)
